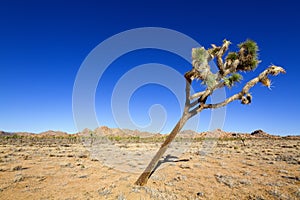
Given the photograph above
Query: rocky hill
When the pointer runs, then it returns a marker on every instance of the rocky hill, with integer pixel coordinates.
(53, 133)
(3, 133)
(218, 133)
(106, 131)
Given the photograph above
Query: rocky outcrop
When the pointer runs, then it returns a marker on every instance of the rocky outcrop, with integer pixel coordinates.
(261, 134)
(53, 133)
(3, 133)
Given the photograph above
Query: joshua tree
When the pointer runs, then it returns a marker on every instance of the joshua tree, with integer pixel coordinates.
(229, 68)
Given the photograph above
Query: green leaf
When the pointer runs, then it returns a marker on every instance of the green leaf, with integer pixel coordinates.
(200, 55)
(235, 77)
(232, 56)
(210, 80)
(231, 80)
(248, 56)
(250, 46)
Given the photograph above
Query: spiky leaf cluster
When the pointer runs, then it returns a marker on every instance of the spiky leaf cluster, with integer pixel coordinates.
(231, 80)
(210, 80)
(250, 46)
(248, 56)
(232, 56)
(199, 56)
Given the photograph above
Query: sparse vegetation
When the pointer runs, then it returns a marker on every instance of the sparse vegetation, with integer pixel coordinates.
(229, 170)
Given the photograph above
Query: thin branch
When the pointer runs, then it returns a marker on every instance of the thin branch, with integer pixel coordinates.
(272, 70)
(196, 110)
(194, 103)
(212, 52)
(207, 92)
(201, 101)
(230, 67)
(221, 53)
(197, 95)
(193, 74)
(224, 103)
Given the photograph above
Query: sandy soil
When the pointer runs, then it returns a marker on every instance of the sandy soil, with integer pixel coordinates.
(223, 169)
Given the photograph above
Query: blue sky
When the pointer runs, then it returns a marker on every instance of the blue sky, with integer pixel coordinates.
(43, 44)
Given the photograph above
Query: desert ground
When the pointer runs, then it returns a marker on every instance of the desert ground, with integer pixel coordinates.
(81, 168)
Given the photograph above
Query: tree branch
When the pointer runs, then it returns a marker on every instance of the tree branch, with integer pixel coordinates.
(229, 67)
(272, 70)
(197, 95)
(187, 90)
(221, 53)
(218, 52)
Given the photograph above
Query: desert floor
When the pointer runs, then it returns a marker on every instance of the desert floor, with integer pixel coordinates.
(214, 169)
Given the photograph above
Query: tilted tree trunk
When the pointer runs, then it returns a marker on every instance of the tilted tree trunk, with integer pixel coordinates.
(142, 180)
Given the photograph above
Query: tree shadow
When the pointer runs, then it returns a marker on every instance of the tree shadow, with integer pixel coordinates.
(168, 158)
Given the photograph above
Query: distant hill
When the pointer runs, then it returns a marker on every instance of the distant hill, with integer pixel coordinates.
(53, 133)
(3, 133)
(218, 133)
(106, 131)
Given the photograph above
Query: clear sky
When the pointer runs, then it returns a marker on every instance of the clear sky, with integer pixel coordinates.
(43, 45)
